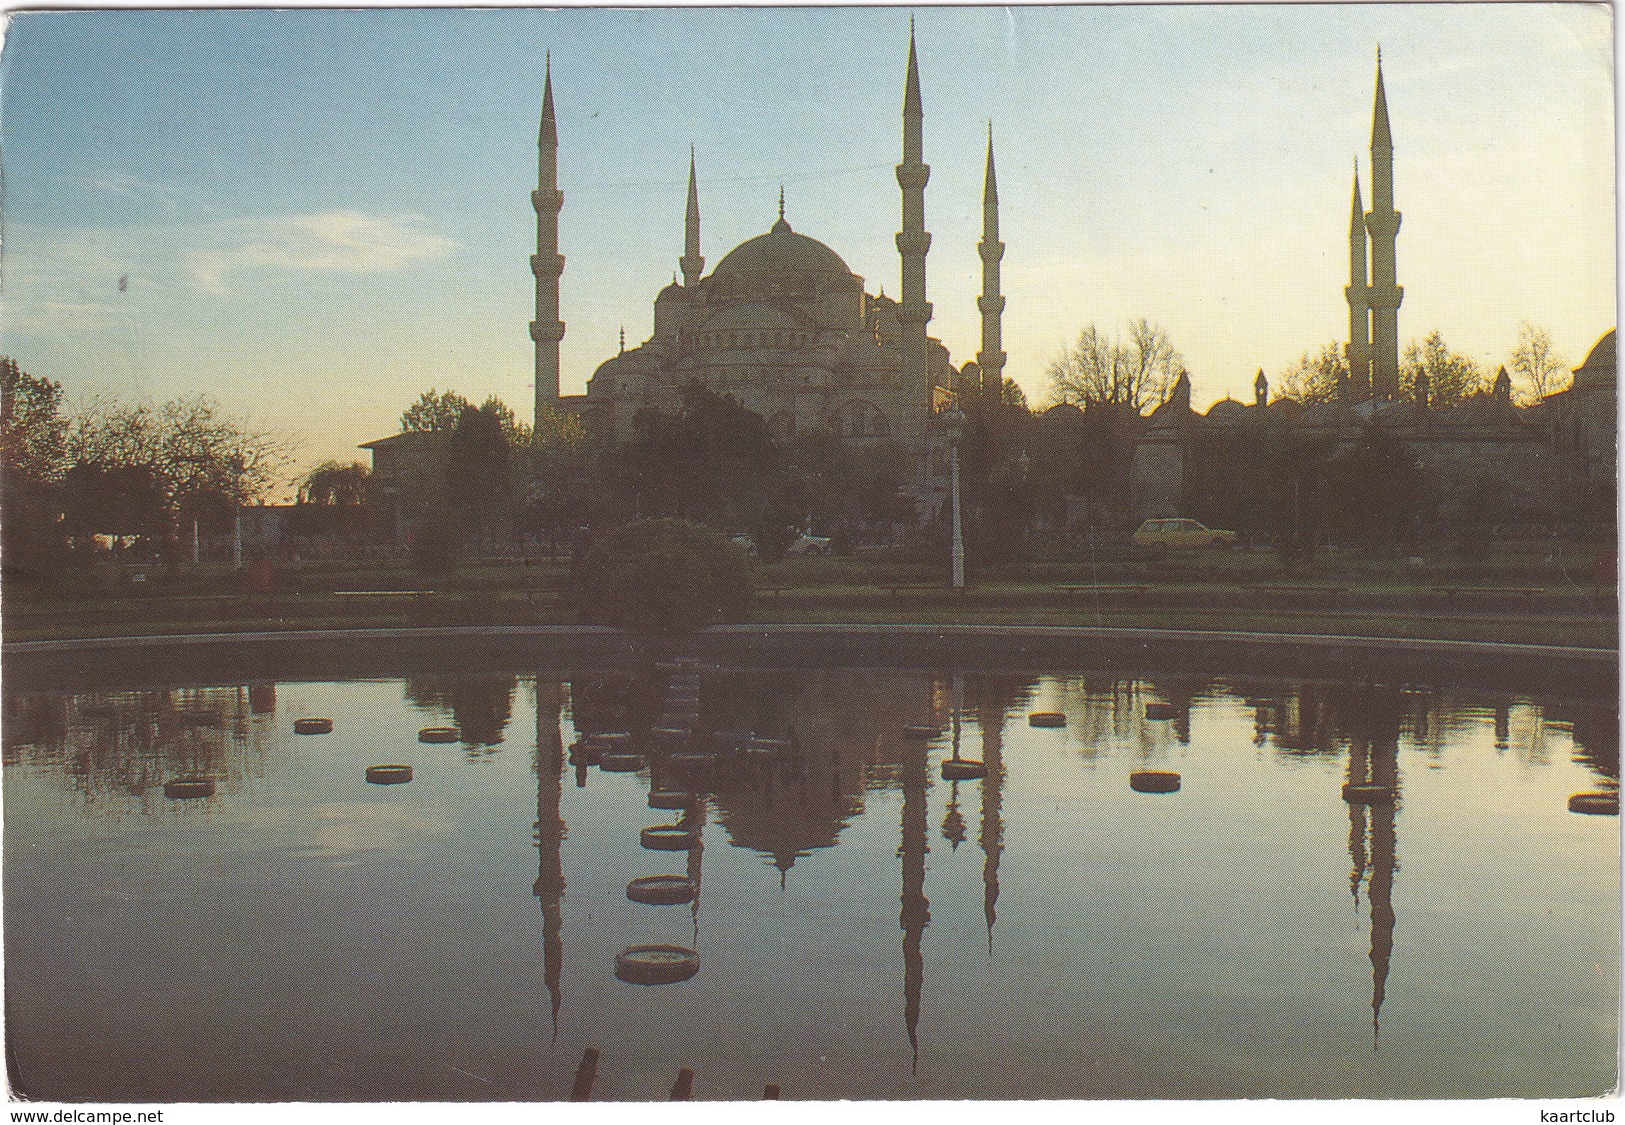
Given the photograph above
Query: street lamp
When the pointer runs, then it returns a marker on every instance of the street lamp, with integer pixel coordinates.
(953, 429)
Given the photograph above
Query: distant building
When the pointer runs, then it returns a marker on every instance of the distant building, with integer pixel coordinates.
(1549, 461)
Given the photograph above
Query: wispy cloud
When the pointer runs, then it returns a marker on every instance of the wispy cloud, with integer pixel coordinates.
(67, 279)
(346, 242)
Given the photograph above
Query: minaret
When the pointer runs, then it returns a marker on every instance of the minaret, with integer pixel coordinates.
(1358, 292)
(913, 241)
(691, 262)
(1382, 224)
(991, 303)
(547, 263)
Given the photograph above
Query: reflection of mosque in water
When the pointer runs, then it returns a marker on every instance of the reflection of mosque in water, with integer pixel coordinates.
(842, 742)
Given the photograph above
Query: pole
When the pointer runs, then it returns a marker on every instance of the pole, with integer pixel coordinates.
(959, 531)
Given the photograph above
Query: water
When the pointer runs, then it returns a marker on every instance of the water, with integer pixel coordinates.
(865, 929)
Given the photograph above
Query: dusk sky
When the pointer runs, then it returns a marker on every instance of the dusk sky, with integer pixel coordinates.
(322, 214)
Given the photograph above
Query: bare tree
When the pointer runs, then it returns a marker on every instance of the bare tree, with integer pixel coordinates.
(1314, 376)
(1537, 369)
(1451, 378)
(193, 447)
(1136, 372)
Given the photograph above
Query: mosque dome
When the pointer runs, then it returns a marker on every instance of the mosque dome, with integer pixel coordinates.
(779, 252)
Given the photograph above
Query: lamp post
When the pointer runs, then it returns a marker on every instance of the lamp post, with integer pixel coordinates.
(953, 429)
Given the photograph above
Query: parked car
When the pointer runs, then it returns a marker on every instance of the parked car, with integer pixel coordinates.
(808, 545)
(1175, 533)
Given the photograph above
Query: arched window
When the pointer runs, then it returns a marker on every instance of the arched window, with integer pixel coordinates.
(860, 419)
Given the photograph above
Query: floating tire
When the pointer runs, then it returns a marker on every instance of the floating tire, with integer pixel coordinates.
(920, 730)
(670, 799)
(767, 745)
(670, 734)
(668, 838)
(693, 760)
(439, 734)
(389, 775)
(1368, 794)
(656, 964)
(1595, 804)
(962, 769)
(1046, 719)
(1161, 711)
(1154, 781)
(619, 761)
(604, 740)
(312, 726)
(662, 890)
(584, 753)
(188, 788)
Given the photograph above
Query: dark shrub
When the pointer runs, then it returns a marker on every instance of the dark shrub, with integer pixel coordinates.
(663, 576)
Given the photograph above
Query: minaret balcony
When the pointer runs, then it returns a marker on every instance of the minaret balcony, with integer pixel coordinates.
(990, 251)
(1390, 299)
(913, 177)
(914, 314)
(547, 201)
(543, 265)
(1382, 224)
(545, 333)
(990, 305)
(912, 242)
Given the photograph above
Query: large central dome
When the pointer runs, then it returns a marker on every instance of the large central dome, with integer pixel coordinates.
(781, 251)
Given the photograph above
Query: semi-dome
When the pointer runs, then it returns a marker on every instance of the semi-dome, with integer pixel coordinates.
(781, 251)
(1599, 369)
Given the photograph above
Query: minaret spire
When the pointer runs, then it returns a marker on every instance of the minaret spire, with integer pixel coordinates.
(913, 241)
(1382, 224)
(1358, 292)
(991, 303)
(691, 263)
(547, 264)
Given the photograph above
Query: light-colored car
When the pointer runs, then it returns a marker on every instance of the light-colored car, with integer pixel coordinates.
(1175, 533)
(809, 545)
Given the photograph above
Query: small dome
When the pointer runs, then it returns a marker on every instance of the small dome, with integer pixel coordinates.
(781, 251)
(1600, 367)
(1226, 410)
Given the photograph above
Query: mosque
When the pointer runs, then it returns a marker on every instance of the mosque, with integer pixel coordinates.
(781, 324)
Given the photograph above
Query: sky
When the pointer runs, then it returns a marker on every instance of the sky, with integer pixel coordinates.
(318, 215)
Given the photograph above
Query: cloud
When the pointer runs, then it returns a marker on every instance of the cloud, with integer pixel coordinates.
(342, 242)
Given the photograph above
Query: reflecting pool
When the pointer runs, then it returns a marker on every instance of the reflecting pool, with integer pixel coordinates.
(281, 928)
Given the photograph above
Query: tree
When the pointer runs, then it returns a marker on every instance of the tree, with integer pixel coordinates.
(1314, 377)
(435, 412)
(33, 432)
(665, 576)
(1451, 378)
(479, 474)
(1137, 372)
(335, 484)
(1537, 369)
(33, 458)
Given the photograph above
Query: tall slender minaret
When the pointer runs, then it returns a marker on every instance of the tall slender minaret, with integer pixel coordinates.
(991, 303)
(913, 241)
(691, 263)
(1358, 292)
(547, 263)
(1382, 224)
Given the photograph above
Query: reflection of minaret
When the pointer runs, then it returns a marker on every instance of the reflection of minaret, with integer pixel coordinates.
(694, 820)
(916, 912)
(1384, 862)
(549, 885)
(990, 711)
(1374, 760)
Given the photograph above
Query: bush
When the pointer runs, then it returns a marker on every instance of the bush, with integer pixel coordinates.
(664, 576)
